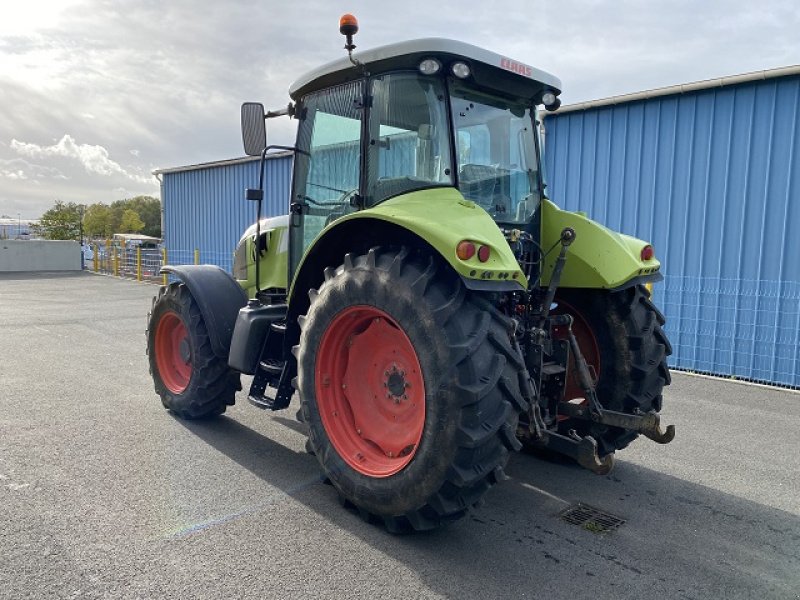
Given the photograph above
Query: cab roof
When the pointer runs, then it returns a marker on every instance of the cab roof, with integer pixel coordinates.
(489, 69)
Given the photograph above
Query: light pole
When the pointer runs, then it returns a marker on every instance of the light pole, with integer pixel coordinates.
(19, 227)
(80, 230)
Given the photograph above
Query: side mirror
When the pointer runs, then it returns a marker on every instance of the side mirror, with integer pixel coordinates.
(254, 130)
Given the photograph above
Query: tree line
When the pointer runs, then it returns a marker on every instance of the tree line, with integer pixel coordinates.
(62, 221)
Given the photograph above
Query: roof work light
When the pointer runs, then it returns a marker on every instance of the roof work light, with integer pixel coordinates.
(429, 66)
(550, 101)
(460, 70)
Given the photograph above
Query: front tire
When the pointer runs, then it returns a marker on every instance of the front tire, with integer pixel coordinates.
(409, 386)
(190, 379)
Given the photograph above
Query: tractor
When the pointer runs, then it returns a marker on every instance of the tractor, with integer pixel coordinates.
(433, 309)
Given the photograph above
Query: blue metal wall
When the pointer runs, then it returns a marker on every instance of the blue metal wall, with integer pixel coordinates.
(712, 178)
(205, 208)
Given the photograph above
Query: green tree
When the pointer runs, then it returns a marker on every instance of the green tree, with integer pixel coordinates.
(97, 221)
(148, 209)
(130, 223)
(61, 222)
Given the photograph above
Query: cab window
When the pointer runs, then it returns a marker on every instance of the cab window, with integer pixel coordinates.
(408, 146)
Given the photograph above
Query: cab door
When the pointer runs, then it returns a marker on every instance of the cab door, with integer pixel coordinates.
(328, 164)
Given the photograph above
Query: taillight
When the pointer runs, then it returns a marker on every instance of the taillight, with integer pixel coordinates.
(483, 253)
(648, 252)
(465, 250)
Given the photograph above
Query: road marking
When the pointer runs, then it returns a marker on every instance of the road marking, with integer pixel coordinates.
(543, 492)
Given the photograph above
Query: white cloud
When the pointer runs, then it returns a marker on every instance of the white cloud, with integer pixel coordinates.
(18, 169)
(13, 174)
(33, 14)
(94, 158)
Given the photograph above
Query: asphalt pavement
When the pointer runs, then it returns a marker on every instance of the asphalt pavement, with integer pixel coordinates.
(103, 494)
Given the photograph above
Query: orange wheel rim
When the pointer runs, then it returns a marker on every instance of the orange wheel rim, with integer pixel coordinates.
(370, 391)
(173, 353)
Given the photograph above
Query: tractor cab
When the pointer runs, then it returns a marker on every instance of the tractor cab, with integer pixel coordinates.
(422, 114)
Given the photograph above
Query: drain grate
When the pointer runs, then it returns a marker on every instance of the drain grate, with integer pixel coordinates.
(591, 518)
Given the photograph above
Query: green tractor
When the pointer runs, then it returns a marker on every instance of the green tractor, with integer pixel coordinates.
(434, 310)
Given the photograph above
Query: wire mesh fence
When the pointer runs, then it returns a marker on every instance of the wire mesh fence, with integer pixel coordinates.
(200, 256)
(745, 329)
(132, 262)
(144, 264)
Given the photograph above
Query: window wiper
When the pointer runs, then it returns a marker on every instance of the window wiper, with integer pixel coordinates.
(310, 200)
(327, 187)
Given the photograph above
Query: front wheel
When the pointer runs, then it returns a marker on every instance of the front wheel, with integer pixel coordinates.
(190, 379)
(621, 338)
(409, 386)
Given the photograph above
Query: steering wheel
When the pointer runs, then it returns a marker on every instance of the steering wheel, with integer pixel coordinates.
(346, 196)
(341, 207)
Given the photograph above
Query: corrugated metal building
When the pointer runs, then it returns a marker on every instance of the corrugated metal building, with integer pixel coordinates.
(709, 172)
(204, 207)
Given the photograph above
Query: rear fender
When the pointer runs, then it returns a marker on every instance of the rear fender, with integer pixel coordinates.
(219, 298)
(598, 258)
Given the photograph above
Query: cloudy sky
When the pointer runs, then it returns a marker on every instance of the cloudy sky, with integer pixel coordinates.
(95, 94)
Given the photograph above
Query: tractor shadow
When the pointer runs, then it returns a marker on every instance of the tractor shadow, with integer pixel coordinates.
(679, 540)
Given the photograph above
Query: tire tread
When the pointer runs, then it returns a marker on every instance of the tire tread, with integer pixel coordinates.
(482, 370)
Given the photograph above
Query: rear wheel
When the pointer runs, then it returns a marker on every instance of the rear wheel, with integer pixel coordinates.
(190, 379)
(620, 336)
(409, 386)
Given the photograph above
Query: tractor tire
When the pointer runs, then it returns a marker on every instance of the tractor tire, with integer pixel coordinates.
(620, 336)
(190, 379)
(409, 386)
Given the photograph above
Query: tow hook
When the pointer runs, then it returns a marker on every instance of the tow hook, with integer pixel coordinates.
(649, 424)
(582, 450)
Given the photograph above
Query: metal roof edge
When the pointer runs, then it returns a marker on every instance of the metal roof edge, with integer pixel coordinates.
(218, 163)
(682, 88)
(432, 45)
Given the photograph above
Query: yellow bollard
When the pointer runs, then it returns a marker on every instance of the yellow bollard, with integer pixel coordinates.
(116, 262)
(138, 263)
(197, 256)
(107, 256)
(96, 257)
(163, 263)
